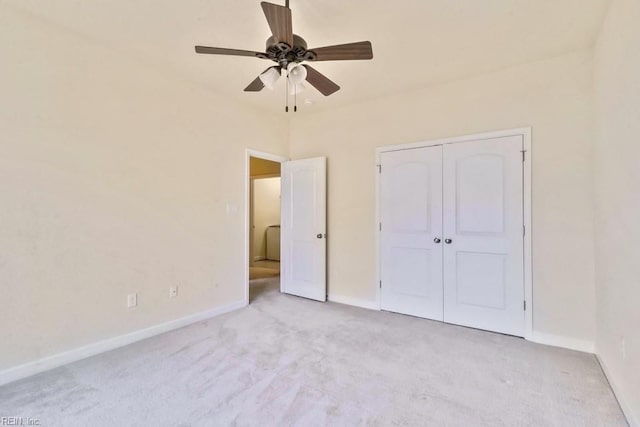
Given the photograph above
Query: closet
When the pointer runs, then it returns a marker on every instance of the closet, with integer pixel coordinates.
(451, 233)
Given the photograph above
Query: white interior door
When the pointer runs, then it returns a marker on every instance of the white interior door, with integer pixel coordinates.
(483, 234)
(303, 228)
(411, 232)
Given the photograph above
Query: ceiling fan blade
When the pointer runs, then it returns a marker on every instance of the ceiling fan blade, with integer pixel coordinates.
(279, 19)
(343, 52)
(233, 52)
(257, 85)
(320, 82)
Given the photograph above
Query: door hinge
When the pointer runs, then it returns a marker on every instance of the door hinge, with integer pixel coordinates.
(524, 231)
(525, 305)
(379, 168)
(524, 154)
(380, 226)
(380, 284)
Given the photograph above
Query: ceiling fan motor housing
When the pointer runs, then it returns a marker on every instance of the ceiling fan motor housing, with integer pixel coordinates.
(284, 54)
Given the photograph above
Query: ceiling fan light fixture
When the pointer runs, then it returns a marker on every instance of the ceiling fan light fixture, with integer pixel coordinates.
(288, 50)
(270, 77)
(297, 74)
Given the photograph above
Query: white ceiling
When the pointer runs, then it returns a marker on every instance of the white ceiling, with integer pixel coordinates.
(415, 42)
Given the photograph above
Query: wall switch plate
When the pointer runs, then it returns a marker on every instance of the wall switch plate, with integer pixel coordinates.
(173, 291)
(132, 300)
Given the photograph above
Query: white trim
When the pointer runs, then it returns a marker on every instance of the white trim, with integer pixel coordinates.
(247, 204)
(376, 225)
(528, 272)
(265, 156)
(560, 341)
(60, 359)
(528, 237)
(442, 141)
(370, 305)
(624, 404)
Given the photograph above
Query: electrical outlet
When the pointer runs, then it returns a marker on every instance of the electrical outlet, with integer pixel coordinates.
(132, 300)
(623, 348)
(173, 291)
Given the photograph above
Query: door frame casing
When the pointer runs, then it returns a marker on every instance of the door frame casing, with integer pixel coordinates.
(525, 133)
(247, 208)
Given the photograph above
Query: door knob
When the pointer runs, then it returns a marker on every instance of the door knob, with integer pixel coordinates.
(448, 241)
(319, 236)
(437, 240)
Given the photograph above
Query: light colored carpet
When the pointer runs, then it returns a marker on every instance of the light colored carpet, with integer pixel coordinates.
(264, 269)
(289, 361)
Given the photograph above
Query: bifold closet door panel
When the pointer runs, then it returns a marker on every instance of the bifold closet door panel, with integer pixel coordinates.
(411, 232)
(483, 234)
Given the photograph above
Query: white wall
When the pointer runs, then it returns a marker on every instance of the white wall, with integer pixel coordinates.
(553, 96)
(617, 180)
(266, 211)
(114, 178)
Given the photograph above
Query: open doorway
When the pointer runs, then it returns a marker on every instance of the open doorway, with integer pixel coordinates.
(263, 225)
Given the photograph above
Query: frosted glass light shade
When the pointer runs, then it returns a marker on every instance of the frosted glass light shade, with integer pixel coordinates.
(270, 77)
(297, 74)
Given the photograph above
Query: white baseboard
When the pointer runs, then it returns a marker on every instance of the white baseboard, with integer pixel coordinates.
(371, 305)
(632, 419)
(537, 337)
(560, 341)
(60, 359)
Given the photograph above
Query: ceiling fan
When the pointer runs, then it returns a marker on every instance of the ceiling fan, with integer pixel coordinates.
(289, 50)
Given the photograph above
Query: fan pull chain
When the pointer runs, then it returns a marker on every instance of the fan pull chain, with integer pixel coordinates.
(295, 98)
(286, 109)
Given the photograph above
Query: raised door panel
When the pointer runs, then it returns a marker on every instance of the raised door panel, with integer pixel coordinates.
(479, 190)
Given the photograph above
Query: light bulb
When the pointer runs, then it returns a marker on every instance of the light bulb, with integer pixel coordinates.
(297, 74)
(270, 77)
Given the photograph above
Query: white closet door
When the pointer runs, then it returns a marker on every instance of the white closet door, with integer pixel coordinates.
(303, 228)
(411, 220)
(483, 228)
